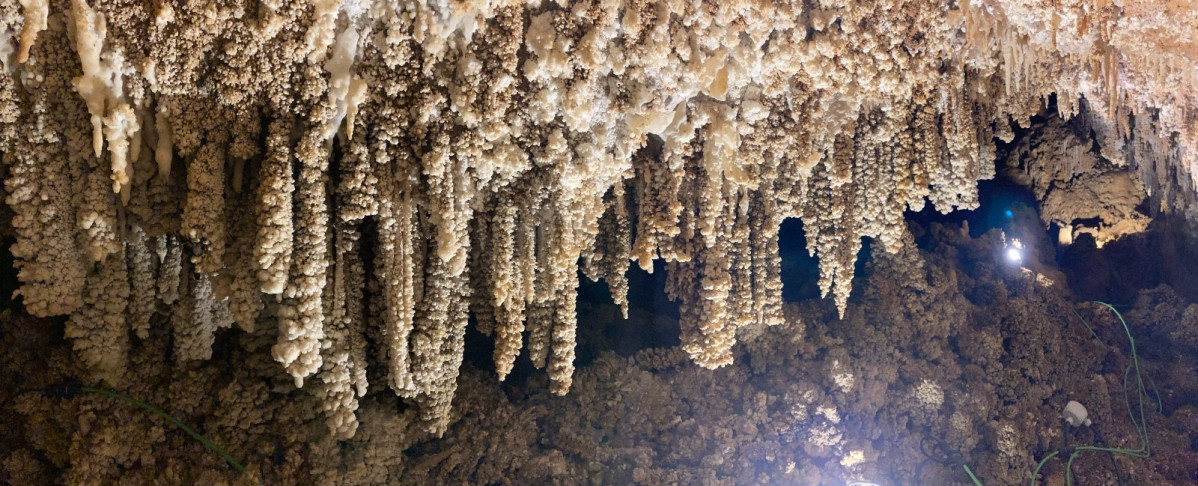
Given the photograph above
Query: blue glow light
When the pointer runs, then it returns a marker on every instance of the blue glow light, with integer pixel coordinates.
(1009, 213)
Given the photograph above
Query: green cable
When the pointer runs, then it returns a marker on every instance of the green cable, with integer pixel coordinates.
(1140, 425)
(1040, 464)
(971, 476)
(203, 440)
(1087, 324)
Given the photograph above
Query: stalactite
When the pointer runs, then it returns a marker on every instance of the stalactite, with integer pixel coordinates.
(766, 266)
(354, 314)
(170, 268)
(488, 147)
(301, 317)
(507, 286)
(203, 211)
(142, 269)
(100, 327)
(47, 257)
(397, 256)
(343, 372)
(36, 13)
(357, 192)
(438, 334)
(245, 297)
(196, 319)
(482, 298)
(562, 262)
(275, 189)
(613, 247)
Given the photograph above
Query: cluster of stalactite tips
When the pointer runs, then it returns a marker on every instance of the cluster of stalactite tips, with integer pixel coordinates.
(363, 176)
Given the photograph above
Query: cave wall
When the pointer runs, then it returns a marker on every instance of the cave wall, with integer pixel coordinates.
(347, 182)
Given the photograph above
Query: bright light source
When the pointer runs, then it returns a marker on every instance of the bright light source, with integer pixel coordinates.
(1014, 255)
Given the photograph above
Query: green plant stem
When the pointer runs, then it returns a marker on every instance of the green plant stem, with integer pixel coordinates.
(203, 440)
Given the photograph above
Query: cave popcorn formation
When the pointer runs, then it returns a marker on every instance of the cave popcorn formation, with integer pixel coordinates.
(343, 169)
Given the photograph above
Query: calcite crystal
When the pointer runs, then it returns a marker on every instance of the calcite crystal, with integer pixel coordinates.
(349, 168)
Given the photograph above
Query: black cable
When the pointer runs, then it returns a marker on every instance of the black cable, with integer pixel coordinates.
(1065, 435)
(1160, 408)
(1067, 450)
(940, 453)
(1114, 464)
